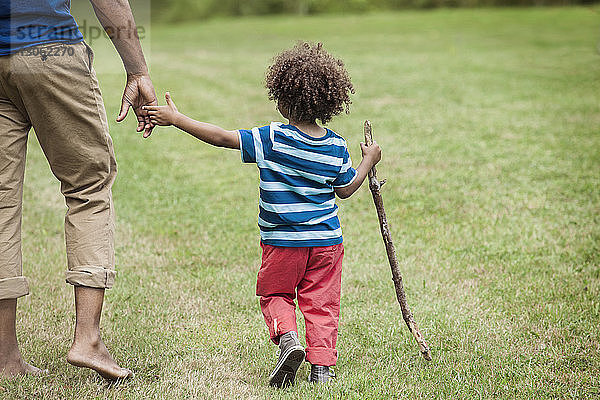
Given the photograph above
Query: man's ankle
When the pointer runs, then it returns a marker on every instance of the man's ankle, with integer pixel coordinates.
(9, 353)
(88, 339)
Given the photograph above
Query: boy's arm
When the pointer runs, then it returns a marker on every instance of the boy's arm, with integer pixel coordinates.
(209, 133)
(371, 156)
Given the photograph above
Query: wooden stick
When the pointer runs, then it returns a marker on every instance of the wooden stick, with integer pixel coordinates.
(375, 186)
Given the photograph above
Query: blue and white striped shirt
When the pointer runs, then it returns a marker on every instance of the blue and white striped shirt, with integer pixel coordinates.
(298, 174)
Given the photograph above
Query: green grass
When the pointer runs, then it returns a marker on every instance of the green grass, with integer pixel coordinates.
(489, 123)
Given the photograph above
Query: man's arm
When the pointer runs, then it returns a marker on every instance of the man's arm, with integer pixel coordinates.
(371, 156)
(117, 19)
(209, 133)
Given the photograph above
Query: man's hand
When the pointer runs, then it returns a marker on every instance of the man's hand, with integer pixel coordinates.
(371, 154)
(139, 92)
(163, 115)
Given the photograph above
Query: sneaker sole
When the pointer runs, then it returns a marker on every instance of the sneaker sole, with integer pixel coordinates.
(285, 371)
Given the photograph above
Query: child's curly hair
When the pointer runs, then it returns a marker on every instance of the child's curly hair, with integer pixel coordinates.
(309, 84)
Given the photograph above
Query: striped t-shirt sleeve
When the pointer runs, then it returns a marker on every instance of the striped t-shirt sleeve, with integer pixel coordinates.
(251, 143)
(247, 147)
(347, 173)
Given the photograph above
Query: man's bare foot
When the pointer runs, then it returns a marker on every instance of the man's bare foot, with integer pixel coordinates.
(19, 367)
(95, 356)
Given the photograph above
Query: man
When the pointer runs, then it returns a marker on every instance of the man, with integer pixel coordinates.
(47, 82)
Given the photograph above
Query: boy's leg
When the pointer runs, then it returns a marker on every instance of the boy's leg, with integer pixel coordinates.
(280, 271)
(319, 300)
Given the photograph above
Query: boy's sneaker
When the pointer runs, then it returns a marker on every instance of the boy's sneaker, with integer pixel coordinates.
(320, 374)
(291, 357)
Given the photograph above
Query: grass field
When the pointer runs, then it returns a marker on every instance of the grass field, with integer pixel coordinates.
(489, 123)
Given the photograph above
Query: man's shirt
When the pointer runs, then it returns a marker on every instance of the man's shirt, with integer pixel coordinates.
(27, 23)
(298, 174)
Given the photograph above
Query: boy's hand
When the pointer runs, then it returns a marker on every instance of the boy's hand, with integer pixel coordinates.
(163, 115)
(371, 153)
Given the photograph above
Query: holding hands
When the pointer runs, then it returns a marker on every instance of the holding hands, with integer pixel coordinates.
(163, 115)
(139, 92)
(209, 133)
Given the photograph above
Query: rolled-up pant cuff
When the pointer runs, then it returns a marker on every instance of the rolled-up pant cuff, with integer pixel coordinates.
(13, 288)
(282, 326)
(91, 276)
(321, 356)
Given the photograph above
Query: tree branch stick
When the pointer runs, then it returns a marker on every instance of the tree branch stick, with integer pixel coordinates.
(375, 186)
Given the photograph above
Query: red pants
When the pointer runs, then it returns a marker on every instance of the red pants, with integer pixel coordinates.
(315, 274)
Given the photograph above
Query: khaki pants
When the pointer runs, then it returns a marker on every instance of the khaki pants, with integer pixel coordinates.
(54, 89)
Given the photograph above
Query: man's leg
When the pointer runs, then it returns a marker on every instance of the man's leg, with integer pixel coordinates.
(88, 349)
(11, 362)
(14, 127)
(62, 98)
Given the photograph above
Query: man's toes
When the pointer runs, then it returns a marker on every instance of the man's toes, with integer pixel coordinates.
(31, 370)
(127, 373)
(117, 373)
(21, 368)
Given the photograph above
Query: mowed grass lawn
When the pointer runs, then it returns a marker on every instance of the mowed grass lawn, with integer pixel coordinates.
(489, 123)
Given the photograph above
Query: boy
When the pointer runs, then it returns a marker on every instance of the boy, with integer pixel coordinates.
(302, 167)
